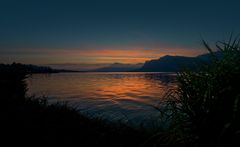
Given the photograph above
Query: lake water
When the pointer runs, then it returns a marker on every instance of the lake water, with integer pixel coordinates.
(125, 96)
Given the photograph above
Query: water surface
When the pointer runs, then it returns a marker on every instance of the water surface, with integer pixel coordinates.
(126, 96)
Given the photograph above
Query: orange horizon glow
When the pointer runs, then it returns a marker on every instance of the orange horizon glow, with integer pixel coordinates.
(103, 56)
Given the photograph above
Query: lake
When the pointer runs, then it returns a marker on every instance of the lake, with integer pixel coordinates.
(124, 96)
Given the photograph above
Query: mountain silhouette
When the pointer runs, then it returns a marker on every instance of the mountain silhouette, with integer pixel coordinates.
(175, 63)
(119, 67)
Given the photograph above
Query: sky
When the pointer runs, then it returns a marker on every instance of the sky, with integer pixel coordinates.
(100, 31)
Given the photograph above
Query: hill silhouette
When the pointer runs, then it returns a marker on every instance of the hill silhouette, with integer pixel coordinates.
(175, 63)
(119, 67)
(31, 69)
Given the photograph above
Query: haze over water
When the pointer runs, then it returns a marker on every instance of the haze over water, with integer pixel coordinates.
(126, 96)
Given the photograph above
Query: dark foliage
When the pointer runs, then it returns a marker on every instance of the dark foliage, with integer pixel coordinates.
(207, 109)
(12, 85)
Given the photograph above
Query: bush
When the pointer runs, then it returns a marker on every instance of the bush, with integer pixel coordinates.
(208, 105)
(12, 83)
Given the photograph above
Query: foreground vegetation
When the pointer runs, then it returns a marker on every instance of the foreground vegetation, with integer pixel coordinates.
(204, 111)
(25, 120)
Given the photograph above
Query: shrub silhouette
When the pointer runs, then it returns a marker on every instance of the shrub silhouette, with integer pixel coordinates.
(12, 83)
(208, 103)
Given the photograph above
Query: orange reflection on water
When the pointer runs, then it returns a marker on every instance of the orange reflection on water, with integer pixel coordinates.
(113, 87)
(115, 96)
(130, 87)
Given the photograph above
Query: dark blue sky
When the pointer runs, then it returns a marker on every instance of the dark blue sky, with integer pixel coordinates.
(57, 31)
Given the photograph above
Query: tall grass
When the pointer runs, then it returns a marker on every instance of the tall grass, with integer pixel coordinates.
(206, 111)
